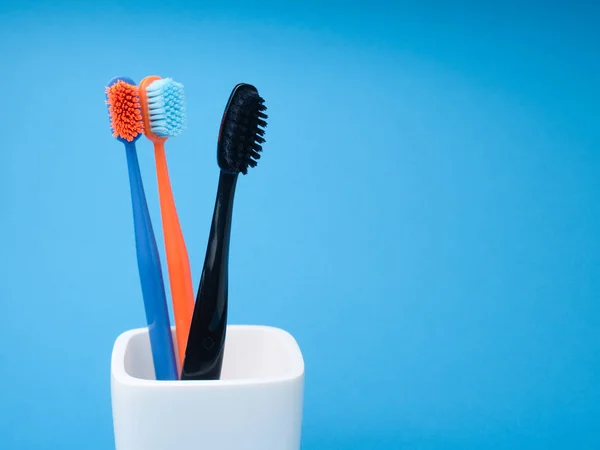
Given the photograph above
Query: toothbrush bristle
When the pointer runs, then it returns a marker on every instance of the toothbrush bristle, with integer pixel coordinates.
(166, 107)
(242, 130)
(124, 110)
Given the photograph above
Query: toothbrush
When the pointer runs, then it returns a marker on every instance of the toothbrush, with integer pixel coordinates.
(163, 114)
(239, 146)
(126, 122)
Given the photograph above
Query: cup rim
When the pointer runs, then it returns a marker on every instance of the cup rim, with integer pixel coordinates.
(120, 375)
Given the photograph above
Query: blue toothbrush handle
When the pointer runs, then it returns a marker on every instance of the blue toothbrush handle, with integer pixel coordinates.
(149, 266)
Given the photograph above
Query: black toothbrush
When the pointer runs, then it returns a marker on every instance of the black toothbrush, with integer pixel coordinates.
(239, 146)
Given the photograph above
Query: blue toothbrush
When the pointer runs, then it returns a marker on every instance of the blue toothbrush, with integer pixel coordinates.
(124, 109)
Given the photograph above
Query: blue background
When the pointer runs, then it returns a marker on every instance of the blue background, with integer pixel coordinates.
(424, 219)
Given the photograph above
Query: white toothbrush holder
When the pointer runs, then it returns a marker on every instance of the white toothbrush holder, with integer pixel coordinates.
(256, 405)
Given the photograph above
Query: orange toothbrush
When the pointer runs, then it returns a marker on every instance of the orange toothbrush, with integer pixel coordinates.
(163, 113)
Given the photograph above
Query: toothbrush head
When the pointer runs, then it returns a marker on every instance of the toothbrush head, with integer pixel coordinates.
(163, 108)
(124, 110)
(242, 130)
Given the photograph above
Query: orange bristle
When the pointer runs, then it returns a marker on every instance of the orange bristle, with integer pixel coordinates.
(125, 110)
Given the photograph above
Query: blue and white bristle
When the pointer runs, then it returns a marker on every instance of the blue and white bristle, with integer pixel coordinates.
(166, 107)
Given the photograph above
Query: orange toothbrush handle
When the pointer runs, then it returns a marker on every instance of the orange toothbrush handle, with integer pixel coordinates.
(180, 277)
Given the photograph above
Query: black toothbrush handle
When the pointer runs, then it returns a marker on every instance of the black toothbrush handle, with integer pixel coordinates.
(206, 339)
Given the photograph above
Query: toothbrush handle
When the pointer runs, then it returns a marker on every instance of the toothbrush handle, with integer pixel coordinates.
(153, 291)
(180, 277)
(206, 341)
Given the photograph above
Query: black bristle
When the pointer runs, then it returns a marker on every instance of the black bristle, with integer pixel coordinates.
(242, 130)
